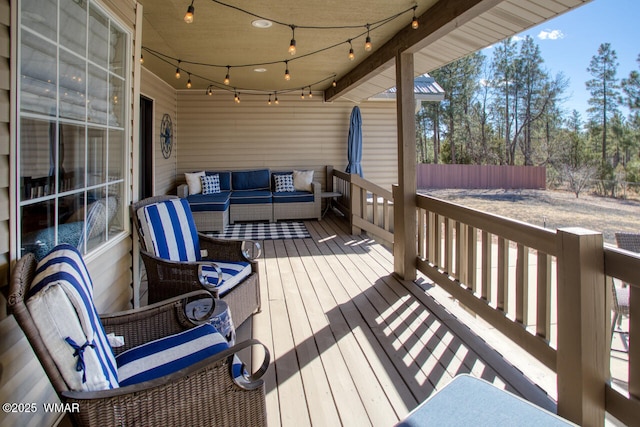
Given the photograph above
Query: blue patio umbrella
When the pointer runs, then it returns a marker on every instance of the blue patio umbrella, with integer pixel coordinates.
(354, 142)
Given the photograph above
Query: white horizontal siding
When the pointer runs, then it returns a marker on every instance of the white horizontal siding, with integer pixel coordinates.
(217, 133)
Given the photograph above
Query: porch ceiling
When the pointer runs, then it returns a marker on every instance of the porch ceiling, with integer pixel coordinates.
(224, 36)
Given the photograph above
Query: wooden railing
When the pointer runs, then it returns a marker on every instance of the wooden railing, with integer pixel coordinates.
(508, 272)
(367, 206)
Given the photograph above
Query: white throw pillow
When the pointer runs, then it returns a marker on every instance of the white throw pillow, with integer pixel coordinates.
(194, 183)
(302, 180)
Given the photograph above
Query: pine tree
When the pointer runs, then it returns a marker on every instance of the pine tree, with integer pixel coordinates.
(604, 90)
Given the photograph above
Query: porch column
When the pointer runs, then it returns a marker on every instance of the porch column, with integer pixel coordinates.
(583, 321)
(404, 203)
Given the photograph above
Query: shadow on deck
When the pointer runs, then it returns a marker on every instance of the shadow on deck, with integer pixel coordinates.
(354, 345)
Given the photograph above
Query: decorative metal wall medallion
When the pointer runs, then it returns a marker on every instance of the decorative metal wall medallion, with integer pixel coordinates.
(166, 136)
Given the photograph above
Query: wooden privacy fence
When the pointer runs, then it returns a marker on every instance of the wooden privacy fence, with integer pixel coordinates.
(480, 176)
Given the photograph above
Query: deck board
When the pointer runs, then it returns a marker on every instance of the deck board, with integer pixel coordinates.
(351, 343)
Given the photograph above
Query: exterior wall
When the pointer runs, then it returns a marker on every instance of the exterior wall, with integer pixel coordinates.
(216, 133)
(5, 113)
(164, 101)
(23, 379)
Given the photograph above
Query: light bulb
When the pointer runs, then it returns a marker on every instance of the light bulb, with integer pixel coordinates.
(287, 76)
(141, 58)
(189, 83)
(302, 95)
(226, 78)
(414, 22)
(178, 73)
(310, 94)
(269, 101)
(292, 47)
(276, 100)
(188, 17)
(209, 92)
(367, 44)
(334, 83)
(352, 55)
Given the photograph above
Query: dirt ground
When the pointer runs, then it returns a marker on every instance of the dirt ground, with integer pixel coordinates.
(551, 208)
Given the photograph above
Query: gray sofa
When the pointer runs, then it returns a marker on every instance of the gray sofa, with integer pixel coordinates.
(250, 195)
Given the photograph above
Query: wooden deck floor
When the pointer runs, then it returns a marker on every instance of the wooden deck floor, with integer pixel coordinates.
(353, 345)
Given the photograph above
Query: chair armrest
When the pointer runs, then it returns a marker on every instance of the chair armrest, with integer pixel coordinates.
(154, 321)
(182, 191)
(153, 402)
(221, 249)
(224, 357)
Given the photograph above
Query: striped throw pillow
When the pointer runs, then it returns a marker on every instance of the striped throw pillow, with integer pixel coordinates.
(60, 302)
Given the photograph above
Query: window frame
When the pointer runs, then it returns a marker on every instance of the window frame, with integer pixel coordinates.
(122, 77)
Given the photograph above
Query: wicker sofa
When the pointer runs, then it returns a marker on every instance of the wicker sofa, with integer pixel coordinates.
(250, 195)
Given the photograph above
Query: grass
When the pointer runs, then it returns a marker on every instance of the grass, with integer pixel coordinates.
(552, 208)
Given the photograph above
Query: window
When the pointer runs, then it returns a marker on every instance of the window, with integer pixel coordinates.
(73, 92)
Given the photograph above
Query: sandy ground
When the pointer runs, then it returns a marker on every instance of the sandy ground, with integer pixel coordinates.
(552, 209)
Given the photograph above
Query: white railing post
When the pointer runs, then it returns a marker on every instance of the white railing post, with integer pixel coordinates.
(583, 320)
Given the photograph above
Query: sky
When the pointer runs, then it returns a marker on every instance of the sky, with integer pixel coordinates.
(568, 43)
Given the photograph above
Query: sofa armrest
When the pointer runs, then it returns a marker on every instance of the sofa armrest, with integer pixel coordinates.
(316, 189)
(182, 191)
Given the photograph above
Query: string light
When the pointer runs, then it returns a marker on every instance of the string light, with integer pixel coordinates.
(141, 58)
(287, 75)
(236, 97)
(210, 87)
(367, 43)
(292, 44)
(334, 83)
(188, 17)
(276, 100)
(414, 22)
(371, 26)
(302, 94)
(226, 77)
(269, 101)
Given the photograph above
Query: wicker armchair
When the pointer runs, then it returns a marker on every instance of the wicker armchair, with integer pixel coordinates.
(168, 279)
(202, 394)
(629, 242)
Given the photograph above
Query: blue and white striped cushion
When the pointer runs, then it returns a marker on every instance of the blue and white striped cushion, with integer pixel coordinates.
(60, 302)
(233, 272)
(167, 355)
(169, 230)
(210, 184)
